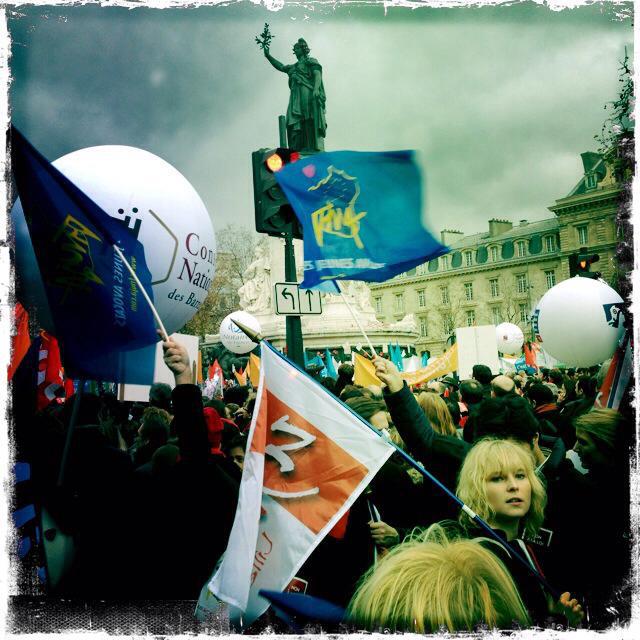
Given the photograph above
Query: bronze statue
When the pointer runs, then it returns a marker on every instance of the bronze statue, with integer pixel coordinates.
(306, 124)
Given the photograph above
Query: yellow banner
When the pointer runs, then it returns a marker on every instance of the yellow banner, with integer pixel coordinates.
(253, 366)
(364, 371)
(442, 365)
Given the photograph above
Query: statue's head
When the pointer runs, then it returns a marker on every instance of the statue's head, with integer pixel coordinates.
(301, 48)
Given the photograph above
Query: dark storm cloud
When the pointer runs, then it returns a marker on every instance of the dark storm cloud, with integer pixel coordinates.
(498, 101)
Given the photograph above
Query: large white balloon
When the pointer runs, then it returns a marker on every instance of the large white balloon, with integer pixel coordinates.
(580, 321)
(509, 338)
(161, 208)
(234, 338)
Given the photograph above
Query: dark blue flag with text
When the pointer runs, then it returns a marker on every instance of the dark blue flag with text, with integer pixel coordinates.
(96, 306)
(361, 215)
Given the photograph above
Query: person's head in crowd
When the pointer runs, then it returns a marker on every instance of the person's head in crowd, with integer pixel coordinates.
(89, 410)
(586, 387)
(518, 384)
(554, 389)
(154, 427)
(436, 387)
(232, 407)
(556, 377)
(481, 373)
(328, 383)
(539, 394)
(219, 406)
(498, 482)
(471, 392)
(372, 410)
(571, 373)
(435, 408)
(602, 439)
(454, 411)
(542, 374)
(215, 427)
(427, 586)
(160, 396)
(353, 391)
(164, 458)
(236, 450)
(236, 395)
(567, 392)
(502, 386)
(345, 370)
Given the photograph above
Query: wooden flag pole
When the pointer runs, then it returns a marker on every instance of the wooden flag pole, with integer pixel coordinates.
(156, 315)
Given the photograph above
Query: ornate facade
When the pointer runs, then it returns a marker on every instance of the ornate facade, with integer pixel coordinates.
(500, 275)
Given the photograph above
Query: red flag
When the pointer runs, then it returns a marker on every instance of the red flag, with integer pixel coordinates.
(216, 371)
(20, 340)
(210, 372)
(530, 349)
(50, 377)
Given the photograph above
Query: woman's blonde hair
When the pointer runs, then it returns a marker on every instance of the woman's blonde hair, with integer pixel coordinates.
(437, 412)
(487, 457)
(424, 585)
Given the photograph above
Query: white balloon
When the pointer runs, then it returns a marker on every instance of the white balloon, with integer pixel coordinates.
(165, 212)
(509, 338)
(234, 338)
(580, 321)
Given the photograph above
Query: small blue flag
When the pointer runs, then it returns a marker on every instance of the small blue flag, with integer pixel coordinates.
(95, 304)
(396, 356)
(330, 368)
(360, 214)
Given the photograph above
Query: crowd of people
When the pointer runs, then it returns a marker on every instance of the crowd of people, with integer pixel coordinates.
(148, 494)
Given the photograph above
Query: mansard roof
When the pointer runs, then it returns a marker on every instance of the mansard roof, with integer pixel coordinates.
(520, 231)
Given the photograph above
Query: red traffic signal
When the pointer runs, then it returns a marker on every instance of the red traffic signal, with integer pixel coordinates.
(276, 160)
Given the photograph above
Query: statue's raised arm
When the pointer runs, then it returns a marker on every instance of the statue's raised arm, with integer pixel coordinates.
(306, 123)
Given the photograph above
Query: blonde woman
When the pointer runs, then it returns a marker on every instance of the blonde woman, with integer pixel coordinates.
(424, 586)
(498, 482)
(435, 408)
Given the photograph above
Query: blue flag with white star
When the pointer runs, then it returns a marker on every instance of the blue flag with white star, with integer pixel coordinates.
(361, 215)
(96, 306)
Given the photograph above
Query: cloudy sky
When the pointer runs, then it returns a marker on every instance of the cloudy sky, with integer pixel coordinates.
(498, 101)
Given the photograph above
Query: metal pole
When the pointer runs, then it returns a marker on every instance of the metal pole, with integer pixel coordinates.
(282, 128)
(295, 350)
(70, 429)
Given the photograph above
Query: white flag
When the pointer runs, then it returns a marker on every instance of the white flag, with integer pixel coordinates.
(308, 458)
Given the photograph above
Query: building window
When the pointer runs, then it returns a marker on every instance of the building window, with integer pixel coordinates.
(378, 304)
(447, 326)
(445, 262)
(421, 298)
(592, 181)
(551, 278)
(521, 283)
(583, 235)
(494, 287)
(524, 313)
(494, 254)
(521, 249)
(444, 291)
(423, 327)
(496, 316)
(550, 243)
(468, 258)
(468, 290)
(399, 303)
(471, 318)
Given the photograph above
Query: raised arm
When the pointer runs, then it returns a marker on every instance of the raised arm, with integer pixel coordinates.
(274, 63)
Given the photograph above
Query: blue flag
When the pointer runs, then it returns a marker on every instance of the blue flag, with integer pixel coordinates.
(331, 370)
(360, 214)
(95, 304)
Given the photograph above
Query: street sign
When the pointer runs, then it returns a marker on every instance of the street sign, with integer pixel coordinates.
(293, 301)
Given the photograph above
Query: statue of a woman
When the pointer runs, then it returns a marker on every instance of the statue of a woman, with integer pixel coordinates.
(255, 293)
(306, 124)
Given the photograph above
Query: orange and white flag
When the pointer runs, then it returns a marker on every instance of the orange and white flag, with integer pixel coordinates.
(308, 458)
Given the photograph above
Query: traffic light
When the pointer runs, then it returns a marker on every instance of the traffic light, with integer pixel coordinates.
(274, 214)
(580, 264)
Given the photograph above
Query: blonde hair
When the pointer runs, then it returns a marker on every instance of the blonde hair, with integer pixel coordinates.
(604, 425)
(424, 585)
(492, 455)
(437, 412)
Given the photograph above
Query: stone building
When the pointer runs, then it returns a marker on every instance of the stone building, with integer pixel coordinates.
(500, 274)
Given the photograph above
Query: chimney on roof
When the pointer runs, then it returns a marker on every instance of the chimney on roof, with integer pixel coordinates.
(523, 223)
(450, 236)
(496, 226)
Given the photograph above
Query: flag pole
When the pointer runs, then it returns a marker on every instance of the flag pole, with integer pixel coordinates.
(144, 293)
(70, 429)
(355, 317)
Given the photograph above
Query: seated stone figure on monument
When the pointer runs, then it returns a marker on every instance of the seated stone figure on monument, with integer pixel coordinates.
(306, 124)
(255, 293)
